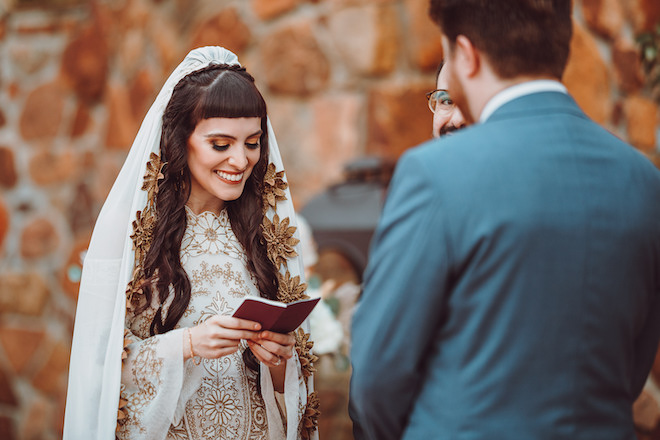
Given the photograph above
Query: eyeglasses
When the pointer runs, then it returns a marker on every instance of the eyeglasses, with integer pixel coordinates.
(439, 100)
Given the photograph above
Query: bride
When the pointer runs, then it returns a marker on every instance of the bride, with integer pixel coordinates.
(200, 216)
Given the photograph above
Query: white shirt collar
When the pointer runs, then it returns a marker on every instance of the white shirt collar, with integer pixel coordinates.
(522, 89)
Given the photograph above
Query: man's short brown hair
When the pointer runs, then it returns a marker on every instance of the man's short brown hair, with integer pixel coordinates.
(519, 37)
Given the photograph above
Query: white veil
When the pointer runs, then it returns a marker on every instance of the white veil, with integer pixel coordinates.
(95, 366)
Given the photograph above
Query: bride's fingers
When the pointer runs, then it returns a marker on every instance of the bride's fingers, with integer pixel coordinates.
(280, 338)
(284, 351)
(233, 323)
(264, 355)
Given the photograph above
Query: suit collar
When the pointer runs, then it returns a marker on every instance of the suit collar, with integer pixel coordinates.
(517, 91)
(536, 104)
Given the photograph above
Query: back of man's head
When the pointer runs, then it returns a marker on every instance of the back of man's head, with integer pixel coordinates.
(519, 37)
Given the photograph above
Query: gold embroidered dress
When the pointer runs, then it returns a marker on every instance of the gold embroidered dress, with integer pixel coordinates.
(218, 399)
(114, 363)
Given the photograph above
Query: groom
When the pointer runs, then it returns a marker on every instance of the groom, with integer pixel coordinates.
(513, 289)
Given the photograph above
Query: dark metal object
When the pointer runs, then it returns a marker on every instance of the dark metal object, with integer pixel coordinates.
(344, 216)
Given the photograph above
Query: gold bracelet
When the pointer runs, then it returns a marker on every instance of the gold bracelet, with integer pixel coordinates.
(195, 360)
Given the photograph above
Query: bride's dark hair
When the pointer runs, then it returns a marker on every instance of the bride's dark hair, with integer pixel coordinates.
(218, 90)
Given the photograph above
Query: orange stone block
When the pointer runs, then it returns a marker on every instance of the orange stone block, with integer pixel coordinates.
(4, 222)
(20, 346)
(367, 37)
(122, 126)
(344, 3)
(7, 396)
(47, 167)
(332, 138)
(23, 293)
(8, 175)
(36, 423)
(135, 15)
(82, 211)
(7, 428)
(335, 132)
(51, 378)
(131, 52)
(39, 238)
(587, 76)
(105, 176)
(58, 414)
(398, 118)
(644, 14)
(85, 63)
(641, 122)
(267, 9)
(425, 46)
(226, 29)
(627, 66)
(141, 94)
(42, 113)
(81, 121)
(28, 59)
(606, 17)
(168, 45)
(300, 69)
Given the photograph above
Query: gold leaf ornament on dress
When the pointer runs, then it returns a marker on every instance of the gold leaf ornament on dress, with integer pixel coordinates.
(291, 289)
(153, 175)
(303, 348)
(279, 239)
(310, 419)
(143, 227)
(280, 244)
(274, 187)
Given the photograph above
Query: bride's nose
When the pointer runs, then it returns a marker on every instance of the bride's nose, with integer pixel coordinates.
(238, 158)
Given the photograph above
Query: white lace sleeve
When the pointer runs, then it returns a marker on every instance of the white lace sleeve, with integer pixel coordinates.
(156, 384)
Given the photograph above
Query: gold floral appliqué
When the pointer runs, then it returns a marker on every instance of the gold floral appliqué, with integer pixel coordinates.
(143, 228)
(274, 187)
(280, 244)
(310, 419)
(303, 348)
(291, 289)
(279, 239)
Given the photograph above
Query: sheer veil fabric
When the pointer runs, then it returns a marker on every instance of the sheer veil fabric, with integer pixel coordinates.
(95, 366)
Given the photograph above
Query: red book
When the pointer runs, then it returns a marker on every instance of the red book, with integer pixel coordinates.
(275, 316)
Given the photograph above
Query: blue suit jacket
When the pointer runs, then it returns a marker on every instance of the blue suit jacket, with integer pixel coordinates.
(513, 286)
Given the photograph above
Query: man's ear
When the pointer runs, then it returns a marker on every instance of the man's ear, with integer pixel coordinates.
(467, 57)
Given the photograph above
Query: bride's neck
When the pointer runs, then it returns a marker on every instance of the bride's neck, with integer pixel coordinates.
(198, 206)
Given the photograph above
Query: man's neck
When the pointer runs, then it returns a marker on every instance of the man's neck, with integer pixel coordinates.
(492, 86)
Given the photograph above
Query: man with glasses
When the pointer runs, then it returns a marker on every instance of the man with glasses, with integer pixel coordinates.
(446, 116)
(513, 284)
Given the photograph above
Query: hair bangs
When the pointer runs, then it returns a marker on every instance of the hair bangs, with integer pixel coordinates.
(231, 95)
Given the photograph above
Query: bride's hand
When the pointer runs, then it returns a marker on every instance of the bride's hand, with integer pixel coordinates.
(218, 336)
(273, 349)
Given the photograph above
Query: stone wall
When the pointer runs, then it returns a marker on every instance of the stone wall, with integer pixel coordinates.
(342, 78)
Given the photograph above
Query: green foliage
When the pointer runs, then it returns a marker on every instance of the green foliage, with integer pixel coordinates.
(649, 47)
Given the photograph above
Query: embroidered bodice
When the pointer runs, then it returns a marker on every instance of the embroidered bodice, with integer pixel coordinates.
(224, 402)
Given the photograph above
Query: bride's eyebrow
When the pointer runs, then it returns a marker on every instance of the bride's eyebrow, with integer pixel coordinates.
(228, 136)
(219, 135)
